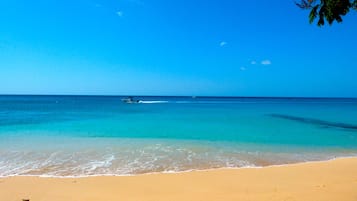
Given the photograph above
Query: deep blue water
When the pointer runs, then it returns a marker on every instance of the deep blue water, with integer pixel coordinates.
(90, 135)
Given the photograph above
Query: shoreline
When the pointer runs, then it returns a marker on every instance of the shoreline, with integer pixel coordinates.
(184, 171)
(335, 179)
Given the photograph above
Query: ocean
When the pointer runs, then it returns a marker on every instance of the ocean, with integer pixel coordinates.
(75, 136)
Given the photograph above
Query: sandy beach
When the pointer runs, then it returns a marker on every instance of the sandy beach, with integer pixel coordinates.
(328, 180)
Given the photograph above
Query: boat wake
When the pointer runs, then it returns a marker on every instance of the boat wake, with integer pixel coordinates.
(152, 102)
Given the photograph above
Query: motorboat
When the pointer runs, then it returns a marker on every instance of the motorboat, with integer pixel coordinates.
(129, 100)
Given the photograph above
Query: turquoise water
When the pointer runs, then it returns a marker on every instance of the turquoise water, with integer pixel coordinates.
(99, 135)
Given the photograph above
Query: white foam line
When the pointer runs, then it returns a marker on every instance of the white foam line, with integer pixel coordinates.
(182, 171)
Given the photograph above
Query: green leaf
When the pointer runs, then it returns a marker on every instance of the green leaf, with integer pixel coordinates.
(313, 13)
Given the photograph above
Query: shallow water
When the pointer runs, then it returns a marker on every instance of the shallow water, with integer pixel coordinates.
(93, 135)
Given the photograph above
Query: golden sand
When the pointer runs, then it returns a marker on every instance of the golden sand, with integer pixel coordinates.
(334, 180)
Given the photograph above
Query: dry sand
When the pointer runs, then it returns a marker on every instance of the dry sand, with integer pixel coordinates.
(334, 180)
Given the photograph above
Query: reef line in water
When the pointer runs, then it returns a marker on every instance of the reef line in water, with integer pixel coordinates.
(313, 121)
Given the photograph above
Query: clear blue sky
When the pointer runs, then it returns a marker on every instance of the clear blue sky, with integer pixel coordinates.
(161, 47)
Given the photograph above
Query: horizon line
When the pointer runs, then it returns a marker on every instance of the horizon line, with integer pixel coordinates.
(200, 96)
